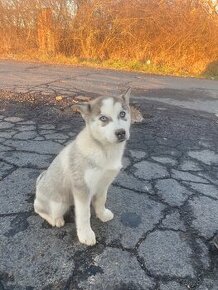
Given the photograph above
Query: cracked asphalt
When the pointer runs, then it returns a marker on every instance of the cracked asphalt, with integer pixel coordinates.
(165, 199)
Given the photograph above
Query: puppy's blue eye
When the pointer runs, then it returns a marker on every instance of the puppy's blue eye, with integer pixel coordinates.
(122, 114)
(103, 118)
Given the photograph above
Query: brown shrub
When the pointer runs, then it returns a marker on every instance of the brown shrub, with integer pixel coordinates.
(181, 33)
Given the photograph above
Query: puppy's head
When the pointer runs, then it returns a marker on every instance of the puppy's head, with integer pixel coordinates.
(108, 118)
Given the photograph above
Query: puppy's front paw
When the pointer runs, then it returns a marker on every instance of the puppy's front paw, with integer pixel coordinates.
(106, 215)
(86, 237)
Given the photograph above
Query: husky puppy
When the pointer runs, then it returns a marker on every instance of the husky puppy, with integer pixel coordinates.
(82, 172)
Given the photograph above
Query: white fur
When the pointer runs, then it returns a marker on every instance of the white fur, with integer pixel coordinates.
(107, 134)
(82, 173)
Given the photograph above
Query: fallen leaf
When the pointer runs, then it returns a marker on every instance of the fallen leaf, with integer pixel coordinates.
(82, 99)
(58, 98)
(136, 115)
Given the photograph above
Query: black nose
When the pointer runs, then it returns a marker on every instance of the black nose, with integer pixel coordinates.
(121, 134)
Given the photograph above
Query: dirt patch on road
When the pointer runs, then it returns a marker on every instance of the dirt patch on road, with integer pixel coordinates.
(35, 105)
(47, 106)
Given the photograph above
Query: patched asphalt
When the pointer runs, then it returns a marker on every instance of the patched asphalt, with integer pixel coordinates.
(165, 199)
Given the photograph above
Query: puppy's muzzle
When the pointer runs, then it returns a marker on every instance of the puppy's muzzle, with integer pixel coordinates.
(121, 135)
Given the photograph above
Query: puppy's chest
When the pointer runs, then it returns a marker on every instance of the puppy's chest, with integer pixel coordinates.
(100, 177)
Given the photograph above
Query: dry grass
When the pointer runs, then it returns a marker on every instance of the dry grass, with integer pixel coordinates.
(177, 37)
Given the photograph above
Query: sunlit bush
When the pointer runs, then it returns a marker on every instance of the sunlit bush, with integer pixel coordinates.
(182, 34)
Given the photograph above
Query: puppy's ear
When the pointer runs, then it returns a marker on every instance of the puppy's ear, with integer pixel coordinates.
(126, 96)
(83, 108)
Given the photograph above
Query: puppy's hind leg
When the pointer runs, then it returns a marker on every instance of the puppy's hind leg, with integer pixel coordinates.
(54, 212)
(39, 210)
(58, 209)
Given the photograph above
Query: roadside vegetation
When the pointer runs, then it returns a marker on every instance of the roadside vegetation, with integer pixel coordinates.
(177, 37)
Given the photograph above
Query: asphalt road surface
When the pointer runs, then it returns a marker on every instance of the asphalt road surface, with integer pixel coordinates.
(165, 199)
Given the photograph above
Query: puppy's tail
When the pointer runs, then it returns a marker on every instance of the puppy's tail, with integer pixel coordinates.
(40, 176)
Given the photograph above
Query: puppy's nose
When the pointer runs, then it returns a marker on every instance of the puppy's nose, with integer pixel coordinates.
(121, 134)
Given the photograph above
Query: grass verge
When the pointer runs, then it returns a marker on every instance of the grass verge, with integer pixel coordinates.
(116, 64)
